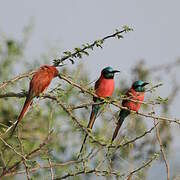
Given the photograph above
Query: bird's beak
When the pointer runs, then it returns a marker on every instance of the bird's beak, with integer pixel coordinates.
(61, 65)
(115, 71)
(145, 83)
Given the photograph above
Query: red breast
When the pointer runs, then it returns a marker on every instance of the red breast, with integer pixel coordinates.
(105, 87)
(135, 96)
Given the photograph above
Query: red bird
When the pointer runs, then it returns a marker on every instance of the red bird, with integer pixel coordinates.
(135, 93)
(39, 83)
(104, 87)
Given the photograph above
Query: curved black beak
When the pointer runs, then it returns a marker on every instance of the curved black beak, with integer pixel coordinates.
(145, 83)
(115, 71)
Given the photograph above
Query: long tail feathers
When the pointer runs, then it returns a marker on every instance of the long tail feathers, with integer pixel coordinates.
(94, 112)
(27, 103)
(92, 118)
(120, 121)
(82, 146)
(123, 114)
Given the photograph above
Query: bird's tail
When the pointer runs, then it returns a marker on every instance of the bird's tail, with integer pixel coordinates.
(123, 114)
(27, 103)
(94, 112)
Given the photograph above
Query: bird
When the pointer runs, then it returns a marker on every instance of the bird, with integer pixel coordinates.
(38, 84)
(104, 87)
(136, 96)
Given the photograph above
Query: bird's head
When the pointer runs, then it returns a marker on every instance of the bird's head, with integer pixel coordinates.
(139, 86)
(109, 72)
(51, 69)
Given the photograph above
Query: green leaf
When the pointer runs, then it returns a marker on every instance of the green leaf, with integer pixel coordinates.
(127, 28)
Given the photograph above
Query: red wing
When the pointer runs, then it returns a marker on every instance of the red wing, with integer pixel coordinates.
(40, 82)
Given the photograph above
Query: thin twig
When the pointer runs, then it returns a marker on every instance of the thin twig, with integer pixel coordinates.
(98, 43)
(6, 144)
(51, 169)
(142, 167)
(12, 168)
(46, 166)
(2, 85)
(162, 151)
(22, 151)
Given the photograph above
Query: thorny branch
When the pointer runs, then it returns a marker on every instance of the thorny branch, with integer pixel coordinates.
(2, 85)
(10, 147)
(94, 171)
(143, 166)
(46, 166)
(78, 52)
(84, 90)
(90, 134)
(106, 172)
(162, 151)
(68, 109)
(24, 162)
(51, 169)
(115, 103)
(13, 168)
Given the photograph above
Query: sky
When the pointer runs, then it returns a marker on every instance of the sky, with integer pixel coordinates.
(65, 24)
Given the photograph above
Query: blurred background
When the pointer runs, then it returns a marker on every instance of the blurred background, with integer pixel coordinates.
(36, 32)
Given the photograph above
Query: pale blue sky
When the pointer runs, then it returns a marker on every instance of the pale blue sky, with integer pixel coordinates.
(65, 24)
(69, 23)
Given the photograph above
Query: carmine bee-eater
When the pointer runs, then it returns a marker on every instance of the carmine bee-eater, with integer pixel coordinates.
(136, 96)
(39, 83)
(104, 87)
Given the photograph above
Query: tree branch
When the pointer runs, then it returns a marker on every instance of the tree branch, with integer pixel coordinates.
(78, 52)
